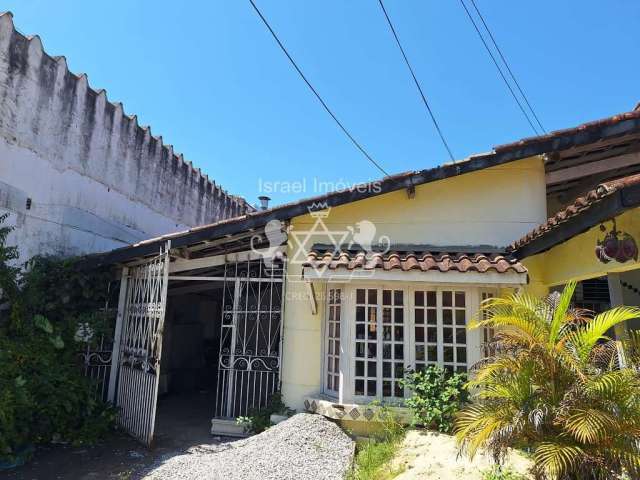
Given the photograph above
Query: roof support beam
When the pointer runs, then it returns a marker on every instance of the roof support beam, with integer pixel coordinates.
(592, 168)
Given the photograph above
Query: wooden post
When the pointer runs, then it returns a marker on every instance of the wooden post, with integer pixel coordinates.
(115, 353)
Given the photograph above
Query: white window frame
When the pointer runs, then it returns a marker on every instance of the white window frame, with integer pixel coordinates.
(346, 393)
(325, 344)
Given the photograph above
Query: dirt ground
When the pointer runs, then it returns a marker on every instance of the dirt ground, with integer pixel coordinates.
(434, 456)
(182, 422)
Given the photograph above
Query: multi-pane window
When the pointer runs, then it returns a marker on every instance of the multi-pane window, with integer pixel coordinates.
(379, 342)
(366, 342)
(392, 342)
(454, 331)
(487, 332)
(426, 328)
(334, 306)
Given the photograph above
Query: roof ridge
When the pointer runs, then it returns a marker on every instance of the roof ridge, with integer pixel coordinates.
(6, 17)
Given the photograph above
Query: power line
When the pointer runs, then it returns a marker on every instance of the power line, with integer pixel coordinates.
(424, 99)
(495, 44)
(342, 127)
(495, 62)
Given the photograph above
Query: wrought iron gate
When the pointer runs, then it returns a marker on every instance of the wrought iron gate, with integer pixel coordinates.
(141, 345)
(250, 336)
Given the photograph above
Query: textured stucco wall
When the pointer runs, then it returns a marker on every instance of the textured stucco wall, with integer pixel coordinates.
(493, 207)
(96, 179)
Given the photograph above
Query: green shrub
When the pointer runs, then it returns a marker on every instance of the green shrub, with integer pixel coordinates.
(437, 396)
(43, 395)
(500, 473)
(258, 420)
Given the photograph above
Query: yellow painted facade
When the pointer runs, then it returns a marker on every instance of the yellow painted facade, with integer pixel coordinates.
(575, 259)
(493, 207)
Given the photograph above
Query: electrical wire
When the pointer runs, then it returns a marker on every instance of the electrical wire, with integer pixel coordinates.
(504, 60)
(495, 62)
(415, 80)
(315, 92)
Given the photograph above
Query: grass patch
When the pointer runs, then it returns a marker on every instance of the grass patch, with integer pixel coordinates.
(502, 473)
(374, 455)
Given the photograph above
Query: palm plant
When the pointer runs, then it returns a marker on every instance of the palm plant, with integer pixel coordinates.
(557, 386)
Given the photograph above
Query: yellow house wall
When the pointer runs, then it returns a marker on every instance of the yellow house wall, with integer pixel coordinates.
(489, 207)
(575, 259)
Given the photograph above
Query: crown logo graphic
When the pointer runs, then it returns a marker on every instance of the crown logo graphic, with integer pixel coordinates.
(319, 209)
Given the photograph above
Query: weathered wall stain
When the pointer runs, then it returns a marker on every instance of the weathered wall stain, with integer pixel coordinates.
(83, 153)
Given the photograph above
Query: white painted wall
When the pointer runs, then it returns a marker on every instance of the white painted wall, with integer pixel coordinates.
(96, 179)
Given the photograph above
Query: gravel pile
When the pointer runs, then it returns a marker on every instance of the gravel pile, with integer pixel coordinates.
(304, 447)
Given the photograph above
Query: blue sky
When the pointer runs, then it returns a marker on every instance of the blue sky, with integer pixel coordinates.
(209, 78)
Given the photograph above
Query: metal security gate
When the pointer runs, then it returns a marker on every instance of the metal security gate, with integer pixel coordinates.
(250, 337)
(139, 338)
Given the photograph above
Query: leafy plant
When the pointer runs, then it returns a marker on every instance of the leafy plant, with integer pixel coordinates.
(43, 396)
(558, 386)
(437, 396)
(497, 472)
(374, 455)
(258, 420)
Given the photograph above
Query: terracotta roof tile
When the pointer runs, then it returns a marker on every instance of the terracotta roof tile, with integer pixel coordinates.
(579, 205)
(422, 261)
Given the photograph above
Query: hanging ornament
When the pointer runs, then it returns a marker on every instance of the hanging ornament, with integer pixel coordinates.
(616, 245)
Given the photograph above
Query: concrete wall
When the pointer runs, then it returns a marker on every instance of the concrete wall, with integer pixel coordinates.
(489, 207)
(96, 179)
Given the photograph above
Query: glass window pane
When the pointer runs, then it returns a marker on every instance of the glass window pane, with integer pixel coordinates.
(360, 314)
(447, 354)
(460, 317)
(372, 349)
(419, 334)
(360, 331)
(399, 315)
(398, 391)
(336, 365)
(418, 299)
(399, 370)
(372, 329)
(398, 297)
(330, 382)
(386, 333)
(360, 348)
(432, 335)
(373, 314)
(372, 369)
(460, 300)
(447, 335)
(359, 369)
(386, 297)
(420, 352)
(386, 315)
(461, 355)
(431, 299)
(359, 390)
(461, 335)
(432, 317)
(446, 299)
(399, 351)
(386, 388)
(386, 351)
(419, 316)
(398, 333)
(386, 369)
(432, 353)
(360, 295)
(371, 388)
(447, 317)
(373, 296)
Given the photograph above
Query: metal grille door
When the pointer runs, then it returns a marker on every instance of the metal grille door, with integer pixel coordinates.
(249, 363)
(141, 346)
